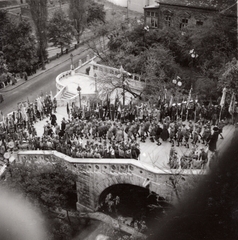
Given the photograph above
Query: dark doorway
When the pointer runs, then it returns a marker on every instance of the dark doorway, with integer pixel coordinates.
(134, 202)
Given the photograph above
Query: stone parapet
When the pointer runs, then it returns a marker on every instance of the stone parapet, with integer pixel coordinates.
(96, 175)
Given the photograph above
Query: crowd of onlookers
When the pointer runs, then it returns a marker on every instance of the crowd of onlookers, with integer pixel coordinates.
(89, 135)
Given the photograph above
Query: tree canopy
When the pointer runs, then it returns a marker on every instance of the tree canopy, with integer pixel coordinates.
(51, 187)
(60, 30)
(198, 55)
(95, 12)
(39, 13)
(20, 47)
(85, 13)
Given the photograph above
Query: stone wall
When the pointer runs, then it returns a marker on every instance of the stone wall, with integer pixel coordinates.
(173, 15)
(177, 13)
(96, 175)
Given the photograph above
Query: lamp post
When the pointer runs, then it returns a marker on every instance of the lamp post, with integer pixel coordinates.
(95, 76)
(72, 59)
(193, 55)
(146, 29)
(178, 83)
(79, 91)
(123, 84)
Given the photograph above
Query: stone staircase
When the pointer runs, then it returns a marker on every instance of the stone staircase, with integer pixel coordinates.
(67, 95)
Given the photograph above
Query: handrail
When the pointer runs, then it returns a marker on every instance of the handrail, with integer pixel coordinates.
(115, 161)
(59, 85)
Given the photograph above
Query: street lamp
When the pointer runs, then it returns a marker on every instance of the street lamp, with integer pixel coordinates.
(95, 76)
(177, 82)
(72, 58)
(79, 91)
(193, 54)
(146, 29)
(122, 71)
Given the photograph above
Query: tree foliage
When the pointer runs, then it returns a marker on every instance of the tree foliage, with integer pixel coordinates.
(77, 13)
(39, 13)
(160, 55)
(20, 47)
(60, 30)
(51, 187)
(84, 14)
(229, 76)
(95, 12)
(3, 23)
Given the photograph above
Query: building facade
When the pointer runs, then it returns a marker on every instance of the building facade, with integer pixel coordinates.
(183, 13)
(133, 5)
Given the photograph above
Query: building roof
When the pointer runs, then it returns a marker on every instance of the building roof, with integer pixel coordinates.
(228, 7)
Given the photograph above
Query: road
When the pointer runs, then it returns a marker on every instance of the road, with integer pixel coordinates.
(43, 83)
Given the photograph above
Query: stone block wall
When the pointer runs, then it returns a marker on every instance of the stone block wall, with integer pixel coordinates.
(96, 175)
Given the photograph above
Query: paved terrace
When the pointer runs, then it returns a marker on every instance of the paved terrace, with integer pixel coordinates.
(151, 154)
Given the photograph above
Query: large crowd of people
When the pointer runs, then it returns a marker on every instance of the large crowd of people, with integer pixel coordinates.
(110, 132)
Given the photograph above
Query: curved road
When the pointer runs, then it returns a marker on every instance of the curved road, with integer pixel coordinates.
(43, 83)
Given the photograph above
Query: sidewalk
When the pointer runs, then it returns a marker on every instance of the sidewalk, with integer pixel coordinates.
(48, 66)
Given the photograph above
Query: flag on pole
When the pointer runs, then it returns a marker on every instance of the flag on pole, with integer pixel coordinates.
(67, 108)
(116, 101)
(51, 96)
(171, 101)
(39, 105)
(189, 96)
(119, 108)
(165, 94)
(28, 102)
(232, 104)
(23, 111)
(2, 118)
(223, 98)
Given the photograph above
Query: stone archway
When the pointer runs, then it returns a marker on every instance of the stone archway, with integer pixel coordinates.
(132, 203)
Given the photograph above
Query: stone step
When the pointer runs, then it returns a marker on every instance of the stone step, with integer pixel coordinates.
(67, 95)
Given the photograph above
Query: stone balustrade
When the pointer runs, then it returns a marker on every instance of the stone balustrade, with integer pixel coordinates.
(97, 175)
(134, 80)
(107, 166)
(62, 75)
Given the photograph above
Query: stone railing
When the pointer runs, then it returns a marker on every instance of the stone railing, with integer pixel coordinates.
(62, 75)
(107, 166)
(82, 62)
(63, 102)
(134, 80)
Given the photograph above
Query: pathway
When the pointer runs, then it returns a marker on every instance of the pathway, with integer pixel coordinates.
(151, 154)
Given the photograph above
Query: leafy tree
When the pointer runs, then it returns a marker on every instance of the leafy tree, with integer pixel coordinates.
(229, 76)
(3, 22)
(39, 13)
(51, 187)
(60, 30)
(3, 66)
(77, 13)
(20, 50)
(95, 12)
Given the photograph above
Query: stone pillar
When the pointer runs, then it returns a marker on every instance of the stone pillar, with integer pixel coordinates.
(88, 57)
(80, 62)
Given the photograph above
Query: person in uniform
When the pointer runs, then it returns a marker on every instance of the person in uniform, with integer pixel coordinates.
(212, 140)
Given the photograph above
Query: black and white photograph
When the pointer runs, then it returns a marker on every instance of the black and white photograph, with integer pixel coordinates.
(118, 120)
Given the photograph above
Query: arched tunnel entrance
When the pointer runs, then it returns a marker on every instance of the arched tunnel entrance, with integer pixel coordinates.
(135, 203)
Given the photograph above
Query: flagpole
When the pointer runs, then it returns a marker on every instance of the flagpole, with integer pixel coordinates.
(222, 103)
(220, 115)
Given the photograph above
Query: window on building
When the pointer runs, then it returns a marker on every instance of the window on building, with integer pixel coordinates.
(152, 19)
(199, 23)
(167, 20)
(183, 23)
